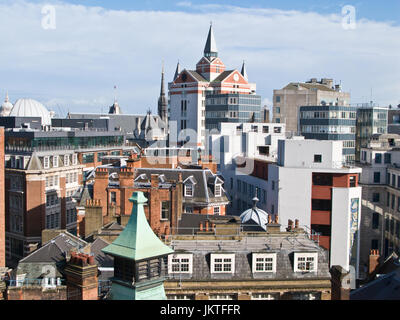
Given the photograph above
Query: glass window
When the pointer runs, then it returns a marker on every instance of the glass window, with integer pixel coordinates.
(375, 220)
(378, 158)
(165, 205)
(377, 177)
(317, 158)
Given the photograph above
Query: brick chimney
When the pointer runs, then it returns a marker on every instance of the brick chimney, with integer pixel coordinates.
(340, 283)
(373, 261)
(81, 277)
(290, 226)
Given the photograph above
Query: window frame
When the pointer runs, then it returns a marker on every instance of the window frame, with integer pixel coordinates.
(223, 257)
(306, 255)
(263, 256)
(180, 256)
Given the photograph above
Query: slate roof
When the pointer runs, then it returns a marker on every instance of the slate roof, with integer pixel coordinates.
(243, 249)
(127, 122)
(386, 287)
(196, 75)
(203, 191)
(222, 76)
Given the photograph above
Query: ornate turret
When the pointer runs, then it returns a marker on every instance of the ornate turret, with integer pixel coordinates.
(115, 108)
(210, 50)
(138, 258)
(6, 107)
(162, 100)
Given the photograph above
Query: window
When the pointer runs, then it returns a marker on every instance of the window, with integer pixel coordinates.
(352, 181)
(188, 190)
(306, 295)
(264, 296)
(317, 158)
(216, 210)
(222, 297)
(375, 197)
(165, 210)
(377, 177)
(374, 244)
(278, 99)
(222, 263)
(113, 197)
(264, 262)
(305, 262)
(217, 190)
(378, 158)
(375, 220)
(66, 160)
(321, 205)
(388, 158)
(55, 161)
(180, 297)
(46, 163)
(74, 159)
(88, 158)
(180, 263)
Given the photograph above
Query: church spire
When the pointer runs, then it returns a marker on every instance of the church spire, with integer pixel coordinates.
(210, 50)
(244, 71)
(162, 100)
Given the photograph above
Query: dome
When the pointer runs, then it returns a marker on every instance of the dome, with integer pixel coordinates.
(255, 216)
(31, 108)
(6, 107)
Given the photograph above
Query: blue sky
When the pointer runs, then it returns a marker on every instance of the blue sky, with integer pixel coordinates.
(387, 10)
(75, 66)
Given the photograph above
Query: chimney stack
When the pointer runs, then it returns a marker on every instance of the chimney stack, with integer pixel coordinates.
(373, 261)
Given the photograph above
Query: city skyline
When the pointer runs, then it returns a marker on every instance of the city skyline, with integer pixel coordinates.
(75, 66)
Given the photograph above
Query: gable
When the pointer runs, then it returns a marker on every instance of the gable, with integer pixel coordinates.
(185, 77)
(239, 78)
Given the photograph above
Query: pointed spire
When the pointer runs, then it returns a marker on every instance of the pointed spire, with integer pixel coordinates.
(162, 100)
(210, 50)
(177, 71)
(244, 71)
(162, 90)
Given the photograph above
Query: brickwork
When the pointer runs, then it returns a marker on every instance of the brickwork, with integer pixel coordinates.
(36, 293)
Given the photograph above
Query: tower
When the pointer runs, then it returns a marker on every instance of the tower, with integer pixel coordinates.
(138, 258)
(162, 100)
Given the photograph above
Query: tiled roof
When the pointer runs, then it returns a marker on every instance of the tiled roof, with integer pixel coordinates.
(202, 191)
(222, 76)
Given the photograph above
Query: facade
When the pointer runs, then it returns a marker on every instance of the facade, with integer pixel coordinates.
(309, 182)
(202, 98)
(380, 180)
(370, 120)
(329, 203)
(287, 101)
(331, 122)
(226, 263)
(43, 169)
(235, 142)
(394, 121)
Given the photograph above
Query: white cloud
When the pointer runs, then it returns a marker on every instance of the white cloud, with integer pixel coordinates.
(92, 49)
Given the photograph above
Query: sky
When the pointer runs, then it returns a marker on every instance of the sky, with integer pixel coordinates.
(71, 61)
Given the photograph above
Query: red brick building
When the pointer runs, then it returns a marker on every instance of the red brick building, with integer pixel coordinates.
(170, 191)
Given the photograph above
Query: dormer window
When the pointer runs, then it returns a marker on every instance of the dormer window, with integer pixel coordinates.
(46, 162)
(305, 262)
(264, 262)
(55, 161)
(222, 263)
(218, 190)
(74, 159)
(189, 190)
(180, 263)
(66, 160)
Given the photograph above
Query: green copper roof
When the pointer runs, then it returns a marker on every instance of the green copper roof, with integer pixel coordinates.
(137, 241)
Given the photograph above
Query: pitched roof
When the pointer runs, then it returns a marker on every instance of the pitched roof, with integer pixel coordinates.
(137, 241)
(223, 76)
(202, 192)
(211, 45)
(197, 76)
